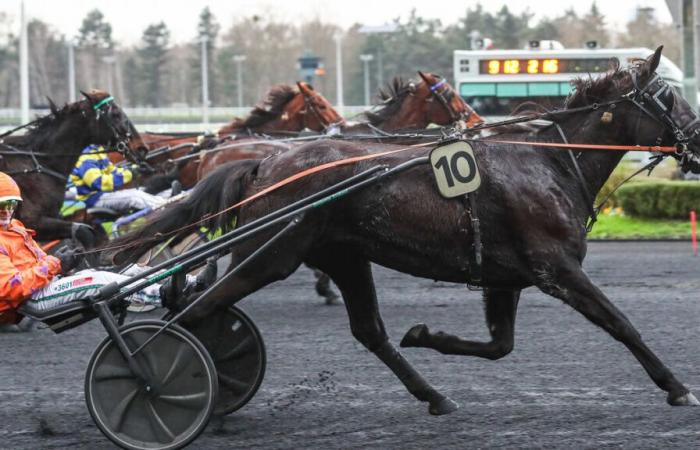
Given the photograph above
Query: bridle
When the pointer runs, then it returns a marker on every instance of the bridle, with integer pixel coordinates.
(441, 96)
(651, 103)
(103, 110)
(310, 105)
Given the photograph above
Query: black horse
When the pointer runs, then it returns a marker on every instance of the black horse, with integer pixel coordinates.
(41, 160)
(532, 207)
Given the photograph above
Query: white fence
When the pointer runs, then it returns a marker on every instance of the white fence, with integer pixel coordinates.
(167, 119)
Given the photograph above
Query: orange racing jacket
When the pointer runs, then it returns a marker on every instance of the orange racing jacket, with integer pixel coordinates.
(24, 269)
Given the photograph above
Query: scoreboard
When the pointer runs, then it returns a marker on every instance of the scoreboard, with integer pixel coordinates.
(537, 66)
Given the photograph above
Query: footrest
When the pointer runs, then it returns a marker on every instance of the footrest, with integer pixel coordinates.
(60, 318)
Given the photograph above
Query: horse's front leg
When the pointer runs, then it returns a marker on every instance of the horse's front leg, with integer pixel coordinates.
(353, 275)
(568, 282)
(500, 307)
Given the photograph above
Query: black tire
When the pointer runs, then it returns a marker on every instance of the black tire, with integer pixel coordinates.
(166, 416)
(238, 350)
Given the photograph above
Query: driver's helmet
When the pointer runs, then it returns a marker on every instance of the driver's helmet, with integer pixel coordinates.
(8, 188)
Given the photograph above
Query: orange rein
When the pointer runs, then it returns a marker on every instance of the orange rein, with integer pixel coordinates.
(630, 148)
(49, 245)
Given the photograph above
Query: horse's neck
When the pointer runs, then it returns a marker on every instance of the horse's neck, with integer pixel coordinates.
(268, 127)
(406, 117)
(596, 165)
(65, 139)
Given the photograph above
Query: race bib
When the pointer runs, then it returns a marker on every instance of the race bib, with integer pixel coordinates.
(455, 170)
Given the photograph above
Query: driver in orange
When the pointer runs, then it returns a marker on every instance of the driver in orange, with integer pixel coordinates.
(27, 273)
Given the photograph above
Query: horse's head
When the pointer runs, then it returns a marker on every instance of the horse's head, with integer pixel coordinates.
(317, 112)
(287, 109)
(417, 105)
(641, 104)
(108, 123)
(443, 105)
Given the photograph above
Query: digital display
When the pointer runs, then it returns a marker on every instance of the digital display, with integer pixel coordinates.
(537, 66)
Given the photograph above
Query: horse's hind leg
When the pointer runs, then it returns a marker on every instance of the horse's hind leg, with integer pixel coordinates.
(572, 285)
(500, 306)
(275, 263)
(353, 276)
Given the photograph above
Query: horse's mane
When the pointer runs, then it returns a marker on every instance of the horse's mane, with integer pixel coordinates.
(588, 90)
(43, 126)
(270, 109)
(392, 97)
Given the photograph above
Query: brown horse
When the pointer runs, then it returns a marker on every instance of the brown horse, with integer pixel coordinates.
(290, 110)
(405, 106)
(415, 106)
(286, 109)
(532, 205)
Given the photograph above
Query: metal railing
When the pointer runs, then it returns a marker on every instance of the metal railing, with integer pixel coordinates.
(177, 118)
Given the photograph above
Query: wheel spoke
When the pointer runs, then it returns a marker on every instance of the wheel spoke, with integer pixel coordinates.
(238, 350)
(113, 372)
(119, 411)
(158, 422)
(189, 401)
(232, 384)
(179, 363)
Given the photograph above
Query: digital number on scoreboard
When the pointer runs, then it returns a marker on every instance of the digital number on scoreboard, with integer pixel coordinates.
(539, 66)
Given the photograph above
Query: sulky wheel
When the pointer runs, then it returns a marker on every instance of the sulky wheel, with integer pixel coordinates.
(237, 348)
(171, 410)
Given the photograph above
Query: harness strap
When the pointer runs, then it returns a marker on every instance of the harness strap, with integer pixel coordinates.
(656, 160)
(9, 132)
(582, 181)
(475, 267)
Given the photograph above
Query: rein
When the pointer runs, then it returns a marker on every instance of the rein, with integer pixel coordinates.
(9, 132)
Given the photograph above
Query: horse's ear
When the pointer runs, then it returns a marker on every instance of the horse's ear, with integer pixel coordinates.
(52, 106)
(654, 59)
(87, 96)
(425, 78)
(304, 88)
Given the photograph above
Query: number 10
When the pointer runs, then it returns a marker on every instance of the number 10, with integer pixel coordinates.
(451, 169)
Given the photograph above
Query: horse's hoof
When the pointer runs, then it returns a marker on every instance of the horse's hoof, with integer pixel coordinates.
(415, 336)
(684, 400)
(442, 407)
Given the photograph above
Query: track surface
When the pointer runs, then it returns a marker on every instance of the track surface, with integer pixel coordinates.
(566, 385)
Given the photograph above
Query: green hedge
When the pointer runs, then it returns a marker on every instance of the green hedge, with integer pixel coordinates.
(660, 199)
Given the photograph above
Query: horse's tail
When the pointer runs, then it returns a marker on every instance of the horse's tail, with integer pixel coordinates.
(221, 189)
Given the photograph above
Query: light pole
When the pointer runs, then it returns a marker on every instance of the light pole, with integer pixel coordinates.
(24, 65)
(71, 71)
(381, 29)
(205, 81)
(366, 59)
(338, 37)
(239, 77)
(109, 61)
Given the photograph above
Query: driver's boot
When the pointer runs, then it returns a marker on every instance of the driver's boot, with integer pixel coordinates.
(171, 291)
(180, 289)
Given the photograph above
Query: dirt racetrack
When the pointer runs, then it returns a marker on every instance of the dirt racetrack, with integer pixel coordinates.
(567, 384)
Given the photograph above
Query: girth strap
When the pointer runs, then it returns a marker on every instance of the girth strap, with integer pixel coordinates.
(476, 259)
(590, 200)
